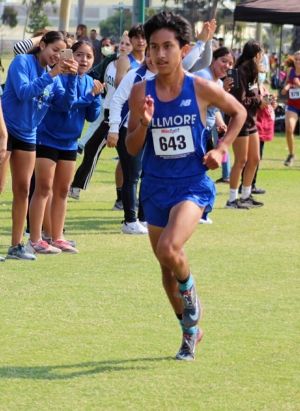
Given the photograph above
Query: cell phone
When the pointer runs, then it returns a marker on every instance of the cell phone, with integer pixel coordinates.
(232, 73)
(268, 98)
(66, 53)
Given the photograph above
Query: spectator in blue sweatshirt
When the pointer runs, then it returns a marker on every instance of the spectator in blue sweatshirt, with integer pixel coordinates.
(56, 154)
(30, 88)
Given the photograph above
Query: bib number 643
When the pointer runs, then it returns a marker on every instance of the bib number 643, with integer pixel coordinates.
(173, 142)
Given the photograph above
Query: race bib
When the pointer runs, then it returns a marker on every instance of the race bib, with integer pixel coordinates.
(172, 143)
(294, 93)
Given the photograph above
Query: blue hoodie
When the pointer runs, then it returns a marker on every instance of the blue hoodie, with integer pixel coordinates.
(29, 90)
(61, 129)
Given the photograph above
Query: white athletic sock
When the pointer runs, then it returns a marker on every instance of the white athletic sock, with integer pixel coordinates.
(246, 191)
(233, 194)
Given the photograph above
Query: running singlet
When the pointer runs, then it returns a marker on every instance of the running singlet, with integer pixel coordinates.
(133, 63)
(176, 140)
(109, 80)
(294, 91)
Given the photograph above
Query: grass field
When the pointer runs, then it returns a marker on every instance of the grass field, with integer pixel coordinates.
(94, 331)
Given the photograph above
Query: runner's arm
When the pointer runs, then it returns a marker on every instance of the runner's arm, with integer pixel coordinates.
(141, 111)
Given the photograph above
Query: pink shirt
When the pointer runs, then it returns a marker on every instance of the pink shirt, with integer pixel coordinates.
(265, 119)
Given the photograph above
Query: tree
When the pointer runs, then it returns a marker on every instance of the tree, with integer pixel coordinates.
(296, 39)
(9, 17)
(111, 26)
(37, 18)
(201, 10)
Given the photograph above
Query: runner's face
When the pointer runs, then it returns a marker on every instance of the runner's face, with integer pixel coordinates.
(125, 46)
(297, 60)
(149, 64)
(165, 52)
(138, 43)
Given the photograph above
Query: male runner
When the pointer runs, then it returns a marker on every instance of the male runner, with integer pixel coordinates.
(168, 116)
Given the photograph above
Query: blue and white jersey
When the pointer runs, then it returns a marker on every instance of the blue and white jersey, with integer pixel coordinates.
(61, 128)
(133, 63)
(29, 91)
(176, 138)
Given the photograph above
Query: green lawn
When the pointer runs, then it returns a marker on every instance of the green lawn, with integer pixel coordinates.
(94, 331)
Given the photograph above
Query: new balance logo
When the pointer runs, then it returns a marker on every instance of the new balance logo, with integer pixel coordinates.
(185, 103)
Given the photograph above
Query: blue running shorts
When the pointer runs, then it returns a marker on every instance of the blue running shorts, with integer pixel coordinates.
(160, 195)
(294, 110)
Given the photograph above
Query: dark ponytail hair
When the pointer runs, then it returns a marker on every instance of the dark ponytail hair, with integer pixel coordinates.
(79, 43)
(49, 38)
(221, 52)
(247, 58)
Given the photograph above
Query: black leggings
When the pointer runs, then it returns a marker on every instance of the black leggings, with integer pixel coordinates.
(92, 151)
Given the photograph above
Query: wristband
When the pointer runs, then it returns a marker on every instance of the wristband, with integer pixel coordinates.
(145, 125)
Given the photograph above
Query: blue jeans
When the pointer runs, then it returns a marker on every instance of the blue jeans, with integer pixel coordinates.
(132, 169)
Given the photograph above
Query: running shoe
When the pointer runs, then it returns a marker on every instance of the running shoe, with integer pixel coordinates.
(64, 246)
(290, 159)
(188, 345)
(19, 252)
(236, 205)
(191, 307)
(74, 193)
(250, 202)
(2, 259)
(133, 228)
(206, 220)
(41, 247)
(118, 206)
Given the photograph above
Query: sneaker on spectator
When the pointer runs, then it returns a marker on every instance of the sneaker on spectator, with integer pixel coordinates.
(2, 259)
(290, 159)
(143, 223)
(64, 246)
(118, 206)
(19, 252)
(222, 181)
(188, 345)
(41, 247)
(236, 205)
(133, 228)
(49, 241)
(250, 202)
(206, 220)
(74, 192)
(256, 190)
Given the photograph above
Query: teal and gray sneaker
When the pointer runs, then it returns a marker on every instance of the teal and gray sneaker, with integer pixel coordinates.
(19, 252)
(2, 259)
(191, 307)
(188, 346)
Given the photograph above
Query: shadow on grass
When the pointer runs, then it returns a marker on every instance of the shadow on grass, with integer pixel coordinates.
(83, 224)
(65, 372)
